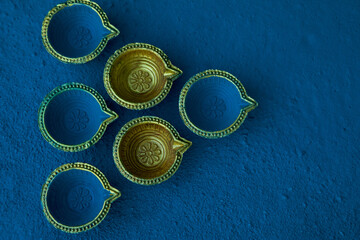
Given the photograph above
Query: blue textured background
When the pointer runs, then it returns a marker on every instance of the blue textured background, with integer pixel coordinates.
(290, 172)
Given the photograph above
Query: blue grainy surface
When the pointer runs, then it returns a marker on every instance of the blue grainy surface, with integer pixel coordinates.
(290, 172)
(80, 112)
(79, 185)
(76, 43)
(216, 98)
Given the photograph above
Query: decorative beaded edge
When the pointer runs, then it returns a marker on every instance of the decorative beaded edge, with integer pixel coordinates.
(240, 119)
(152, 102)
(91, 55)
(119, 164)
(104, 211)
(84, 145)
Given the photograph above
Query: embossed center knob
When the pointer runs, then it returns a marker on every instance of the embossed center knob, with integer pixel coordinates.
(80, 198)
(150, 153)
(140, 81)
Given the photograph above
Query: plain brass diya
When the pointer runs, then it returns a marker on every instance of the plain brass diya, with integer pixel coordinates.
(148, 150)
(139, 76)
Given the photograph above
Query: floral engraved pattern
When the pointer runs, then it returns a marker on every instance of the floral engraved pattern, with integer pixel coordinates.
(149, 153)
(80, 198)
(80, 37)
(214, 108)
(78, 120)
(140, 81)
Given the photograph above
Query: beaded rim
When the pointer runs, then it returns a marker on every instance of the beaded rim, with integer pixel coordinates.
(135, 122)
(98, 134)
(44, 31)
(104, 211)
(164, 92)
(237, 123)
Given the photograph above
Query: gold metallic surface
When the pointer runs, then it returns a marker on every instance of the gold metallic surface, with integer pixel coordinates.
(139, 76)
(148, 150)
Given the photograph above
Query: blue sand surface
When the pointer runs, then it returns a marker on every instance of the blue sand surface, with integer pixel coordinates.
(76, 31)
(76, 197)
(73, 117)
(290, 172)
(213, 103)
